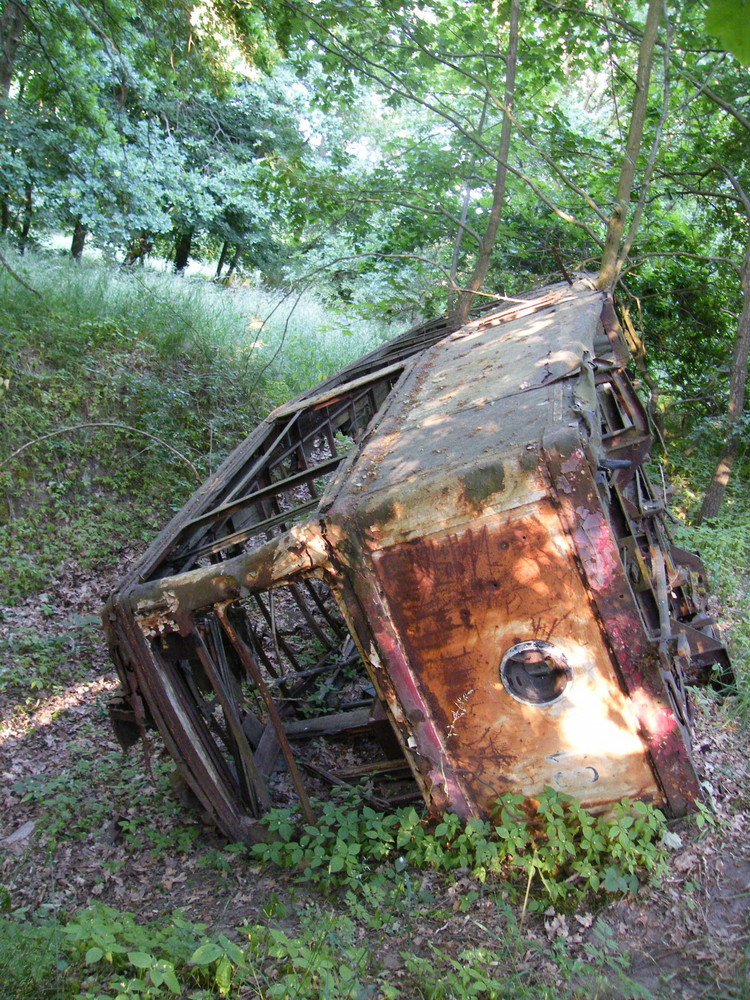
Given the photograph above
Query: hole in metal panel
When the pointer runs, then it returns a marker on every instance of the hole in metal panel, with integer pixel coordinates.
(535, 672)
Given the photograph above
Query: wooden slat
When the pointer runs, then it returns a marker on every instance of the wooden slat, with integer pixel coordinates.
(340, 722)
(268, 492)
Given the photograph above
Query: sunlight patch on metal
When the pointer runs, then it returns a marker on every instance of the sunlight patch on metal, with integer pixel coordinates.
(446, 561)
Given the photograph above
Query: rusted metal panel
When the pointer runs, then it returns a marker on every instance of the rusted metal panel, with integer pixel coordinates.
(461, 601)
(490, 541)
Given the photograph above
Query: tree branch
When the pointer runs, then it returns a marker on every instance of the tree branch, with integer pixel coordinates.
(507, 110)
(387, 78)
(716, 99)
(19, 279)
(651, 162)
(498, 192)
(741, 193)
(611, 261)
(428, 209)
(78, 427)
(683, 253)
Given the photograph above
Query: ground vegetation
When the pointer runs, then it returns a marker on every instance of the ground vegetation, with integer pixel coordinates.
(120, 387)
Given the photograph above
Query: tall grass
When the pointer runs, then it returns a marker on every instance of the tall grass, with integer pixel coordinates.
(303, 341)
(286, 335)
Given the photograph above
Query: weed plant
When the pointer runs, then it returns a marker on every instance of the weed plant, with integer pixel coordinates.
(548, 851)
(104, 954)
(30, 960)
(555, 845)
(31, 659)
(77, 803)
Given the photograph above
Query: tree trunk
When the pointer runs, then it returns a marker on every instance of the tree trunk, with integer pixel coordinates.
(222, 260)
(611, 262)
(138, 249)
(461, 312)
(182, 247)
(28, 208)
(79, 238)
(12, 24)
(233, 264)
(638, 353)
(737, 388)
(4, 213)
(452, 298)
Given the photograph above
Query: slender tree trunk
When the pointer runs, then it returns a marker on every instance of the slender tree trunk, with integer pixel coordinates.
(737, 389)
(464, 213)
(611, 262)
(452, 296)
(79, 238)
(182, 247)
(222, 260)
(28, 208)
(12, 24)
(233, 263)
(465, 298)
(5, 213)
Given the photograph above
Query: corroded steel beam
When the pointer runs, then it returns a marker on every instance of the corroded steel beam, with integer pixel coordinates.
(168, 603)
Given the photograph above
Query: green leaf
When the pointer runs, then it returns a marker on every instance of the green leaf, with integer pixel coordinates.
(206, 954)
(171, 980)
(140, 959)
(93, 955)
(729, 21)
(346, 972)
(234, 952)
(223, 975)
(614, 881)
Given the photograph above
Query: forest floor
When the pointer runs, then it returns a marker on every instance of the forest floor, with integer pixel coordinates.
(82, 823)
(89, 834)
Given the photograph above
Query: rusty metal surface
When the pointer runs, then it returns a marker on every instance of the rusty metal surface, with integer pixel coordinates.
(470, 507)
(460, 601)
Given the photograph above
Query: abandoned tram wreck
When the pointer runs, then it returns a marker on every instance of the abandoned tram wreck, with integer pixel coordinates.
(450, 551)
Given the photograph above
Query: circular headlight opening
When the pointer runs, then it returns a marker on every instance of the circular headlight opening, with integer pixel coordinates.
(535, 672)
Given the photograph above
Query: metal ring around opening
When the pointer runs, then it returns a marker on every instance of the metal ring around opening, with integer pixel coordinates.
(535, 672)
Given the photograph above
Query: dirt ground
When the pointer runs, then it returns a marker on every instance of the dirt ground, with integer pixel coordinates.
(686, 935)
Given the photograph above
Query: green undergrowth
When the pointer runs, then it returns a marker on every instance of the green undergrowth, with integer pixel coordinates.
(385, 888)
(550, 847)
(80, 801)
(104, 954)
(724, 545)
(34, 660)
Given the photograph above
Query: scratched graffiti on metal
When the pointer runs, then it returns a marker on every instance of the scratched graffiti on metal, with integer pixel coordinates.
(451, 552)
